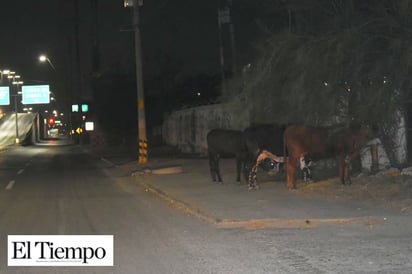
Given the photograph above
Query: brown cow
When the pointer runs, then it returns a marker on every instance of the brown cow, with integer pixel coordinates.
(320, 143)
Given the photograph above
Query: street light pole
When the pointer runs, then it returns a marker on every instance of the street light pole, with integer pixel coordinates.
(17, 120)
(17, 83)
(43, 58)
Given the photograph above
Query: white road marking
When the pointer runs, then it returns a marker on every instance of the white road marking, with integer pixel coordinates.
(20, 171)
(10, 185)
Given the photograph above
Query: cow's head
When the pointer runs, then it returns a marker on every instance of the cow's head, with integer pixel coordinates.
(305, 166)
(269, 164)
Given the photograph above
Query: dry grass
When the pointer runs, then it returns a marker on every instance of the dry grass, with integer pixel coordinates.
(386, 190)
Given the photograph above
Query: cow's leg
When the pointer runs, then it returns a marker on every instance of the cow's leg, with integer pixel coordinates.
(253, 177)
(308, 163)
(291, 166)
(344, 165)
(306, 174)
(305, 164)
(346, 172)
(341, 163)
(247, 160)
(212, 166)
(238, 167)
(219, 178)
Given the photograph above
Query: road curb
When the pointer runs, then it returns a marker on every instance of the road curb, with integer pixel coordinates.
(164, 170)
(368, 221)
(209, 218)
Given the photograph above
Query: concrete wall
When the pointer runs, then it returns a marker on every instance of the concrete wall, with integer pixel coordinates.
(366, 156)
(187, 128)
(8, 128)
(398, 142)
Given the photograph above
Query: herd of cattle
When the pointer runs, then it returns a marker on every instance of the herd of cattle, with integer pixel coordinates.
(285, 147)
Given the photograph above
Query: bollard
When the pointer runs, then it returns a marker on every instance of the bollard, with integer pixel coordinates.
(142, 152)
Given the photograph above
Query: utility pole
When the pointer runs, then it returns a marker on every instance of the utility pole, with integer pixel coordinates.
(232, 40)
(221, 53)
(225, 17)
(143, 146)
(79, 93)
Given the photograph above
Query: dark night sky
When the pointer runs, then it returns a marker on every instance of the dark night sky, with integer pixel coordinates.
(26, 32)
(184, 35)
(184, 32)
(178, 35)
(48, 27)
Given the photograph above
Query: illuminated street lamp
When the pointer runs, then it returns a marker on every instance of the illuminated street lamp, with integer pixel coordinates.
(3, 72)
(44, 58)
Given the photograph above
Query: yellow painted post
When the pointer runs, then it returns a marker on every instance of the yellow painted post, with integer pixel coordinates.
(140, 88)
(142, 152)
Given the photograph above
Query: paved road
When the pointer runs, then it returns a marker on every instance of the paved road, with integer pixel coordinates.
(66, 190)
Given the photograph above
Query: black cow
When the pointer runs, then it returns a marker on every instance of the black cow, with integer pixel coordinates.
(224, 142)
(267, 161)
(263, 143)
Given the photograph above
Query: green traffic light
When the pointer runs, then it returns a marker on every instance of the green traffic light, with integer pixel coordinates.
(85, 107)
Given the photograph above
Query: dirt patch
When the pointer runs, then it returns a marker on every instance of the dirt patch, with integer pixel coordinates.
(389, 190)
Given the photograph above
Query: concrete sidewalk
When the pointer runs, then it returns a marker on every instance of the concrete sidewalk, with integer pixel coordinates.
(234, 205)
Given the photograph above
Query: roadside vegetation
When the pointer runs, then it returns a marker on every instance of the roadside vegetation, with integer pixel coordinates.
(355, 68)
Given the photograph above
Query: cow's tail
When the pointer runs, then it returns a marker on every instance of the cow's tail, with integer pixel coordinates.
(285, 159)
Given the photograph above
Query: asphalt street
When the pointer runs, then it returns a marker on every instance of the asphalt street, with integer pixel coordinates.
(184, 223)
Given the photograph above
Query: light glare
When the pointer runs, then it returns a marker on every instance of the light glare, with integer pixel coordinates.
(42, 58)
